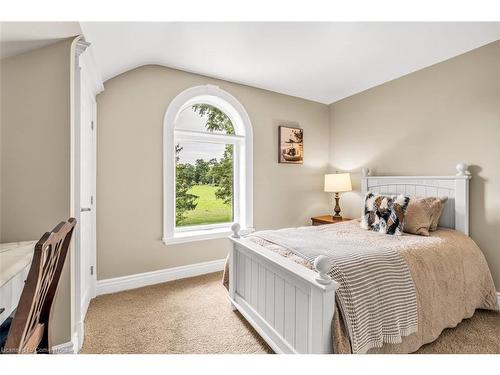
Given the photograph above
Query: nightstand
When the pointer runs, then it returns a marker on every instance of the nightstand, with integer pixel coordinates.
(327, 219)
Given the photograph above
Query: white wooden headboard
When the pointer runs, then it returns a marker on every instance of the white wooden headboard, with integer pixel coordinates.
(456, 188)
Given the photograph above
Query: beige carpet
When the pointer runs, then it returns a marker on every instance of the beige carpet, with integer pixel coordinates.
(193, 316)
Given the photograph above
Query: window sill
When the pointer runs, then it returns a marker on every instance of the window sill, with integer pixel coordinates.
(201, 235)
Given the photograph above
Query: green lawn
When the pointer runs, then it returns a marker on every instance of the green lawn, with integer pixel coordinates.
(209, 209)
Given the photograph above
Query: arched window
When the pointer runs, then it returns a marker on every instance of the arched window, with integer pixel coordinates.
(207, 160)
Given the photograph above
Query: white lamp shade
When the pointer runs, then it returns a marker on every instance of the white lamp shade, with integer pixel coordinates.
(338, 182)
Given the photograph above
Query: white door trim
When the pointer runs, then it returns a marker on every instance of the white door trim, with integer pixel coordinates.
(80, 51)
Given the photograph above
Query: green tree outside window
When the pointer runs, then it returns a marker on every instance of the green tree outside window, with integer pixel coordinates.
(218, 173)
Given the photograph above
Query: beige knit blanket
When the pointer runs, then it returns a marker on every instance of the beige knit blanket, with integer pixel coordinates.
(376, 294)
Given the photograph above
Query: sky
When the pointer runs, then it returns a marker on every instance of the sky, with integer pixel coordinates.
(190, 120)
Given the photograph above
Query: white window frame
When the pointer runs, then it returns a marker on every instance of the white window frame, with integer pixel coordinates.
(242, 162)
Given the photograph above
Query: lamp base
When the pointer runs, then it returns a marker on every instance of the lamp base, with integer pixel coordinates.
(337, 216)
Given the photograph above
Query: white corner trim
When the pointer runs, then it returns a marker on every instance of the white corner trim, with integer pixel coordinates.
(498, 300)
(119, 284)
(78, 336)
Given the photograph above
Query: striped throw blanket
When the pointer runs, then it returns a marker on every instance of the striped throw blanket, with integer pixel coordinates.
(376, 295)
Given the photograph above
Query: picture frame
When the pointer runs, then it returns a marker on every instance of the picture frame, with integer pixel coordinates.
(290, 144)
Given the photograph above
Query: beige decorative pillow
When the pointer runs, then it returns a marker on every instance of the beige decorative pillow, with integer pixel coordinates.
(438, 210)
(418, 219)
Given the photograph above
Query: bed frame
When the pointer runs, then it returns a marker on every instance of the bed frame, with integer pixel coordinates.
(291, 306)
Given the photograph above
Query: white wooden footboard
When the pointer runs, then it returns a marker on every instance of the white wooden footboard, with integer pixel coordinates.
(289, 305)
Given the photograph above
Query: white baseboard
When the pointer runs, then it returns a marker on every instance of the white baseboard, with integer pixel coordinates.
(71, 347)
(119, 284)
(65, 348)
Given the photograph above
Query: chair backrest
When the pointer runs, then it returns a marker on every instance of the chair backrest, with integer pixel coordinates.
(30, 328)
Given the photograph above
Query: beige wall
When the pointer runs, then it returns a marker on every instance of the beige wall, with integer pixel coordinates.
(129, 176)
(35, 154)
(425, 123)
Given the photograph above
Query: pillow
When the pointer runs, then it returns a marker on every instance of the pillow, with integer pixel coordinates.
(420, 214)
(440, 202)
(384, 214)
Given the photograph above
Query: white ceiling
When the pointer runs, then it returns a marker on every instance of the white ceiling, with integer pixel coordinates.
(324, 62)
(20, 37)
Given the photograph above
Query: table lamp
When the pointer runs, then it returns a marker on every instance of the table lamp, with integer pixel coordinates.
(337, 183)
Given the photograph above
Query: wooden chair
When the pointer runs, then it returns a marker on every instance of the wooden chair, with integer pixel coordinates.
(30, 328)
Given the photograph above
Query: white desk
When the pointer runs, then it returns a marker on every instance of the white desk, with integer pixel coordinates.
(15, 261)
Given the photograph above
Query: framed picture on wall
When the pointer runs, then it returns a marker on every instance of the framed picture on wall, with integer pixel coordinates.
(290, 144)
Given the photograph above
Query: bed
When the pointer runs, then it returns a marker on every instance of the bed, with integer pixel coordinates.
(291, 300)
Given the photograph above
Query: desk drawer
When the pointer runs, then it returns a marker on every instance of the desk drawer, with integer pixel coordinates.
(10, 292)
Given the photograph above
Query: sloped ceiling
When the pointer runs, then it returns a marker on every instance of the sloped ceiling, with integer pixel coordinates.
(324, 62)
